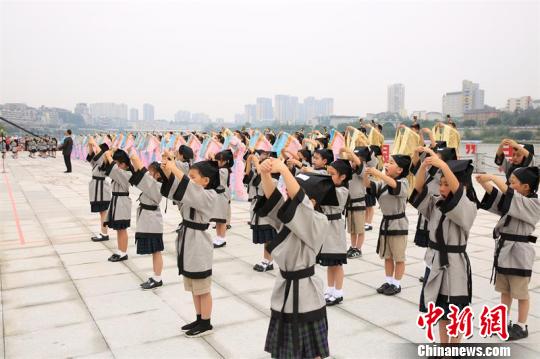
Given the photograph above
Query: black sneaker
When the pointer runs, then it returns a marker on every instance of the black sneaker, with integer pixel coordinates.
(220, 245)
(349, 252)
(116, 258)
(368, 227)
(151, 284)
(190, 326)
(421, 279)
(382, 288)
(355, 253)
(333, 301)
(200, 330)
(100, 238)
(392, 290)
(517, 333)
(263, 267)
(228, 226)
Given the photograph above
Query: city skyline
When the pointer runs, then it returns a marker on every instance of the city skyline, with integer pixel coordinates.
(235, 58)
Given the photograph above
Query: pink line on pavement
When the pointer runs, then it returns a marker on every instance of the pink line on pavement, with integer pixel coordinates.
(14, 207)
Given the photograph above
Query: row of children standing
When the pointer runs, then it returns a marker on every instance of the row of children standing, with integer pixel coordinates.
(448, 214)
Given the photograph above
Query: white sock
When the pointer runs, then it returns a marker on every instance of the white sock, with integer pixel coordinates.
(389, 280)
(330, 290)
(396, 282)
(120, 253)
(103, 234)
(157, 278)
(522, 325)
(338, 293)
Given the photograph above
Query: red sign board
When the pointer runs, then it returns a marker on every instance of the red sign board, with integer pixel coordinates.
(508, 151)
(386, 152)
(470, 148)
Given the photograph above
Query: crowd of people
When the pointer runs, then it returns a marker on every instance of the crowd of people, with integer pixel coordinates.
(43, 147)
(312, 206)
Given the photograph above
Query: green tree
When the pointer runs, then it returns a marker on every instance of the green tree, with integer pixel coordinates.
(494, 121)
(469, 123)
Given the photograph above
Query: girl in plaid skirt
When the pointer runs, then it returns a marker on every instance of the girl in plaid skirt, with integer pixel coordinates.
(149, 232)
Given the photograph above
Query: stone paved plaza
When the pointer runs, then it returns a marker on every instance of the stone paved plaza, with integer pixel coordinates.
(61, 298)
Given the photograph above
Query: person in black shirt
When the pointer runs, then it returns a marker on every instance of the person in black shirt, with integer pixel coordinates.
(67, 147)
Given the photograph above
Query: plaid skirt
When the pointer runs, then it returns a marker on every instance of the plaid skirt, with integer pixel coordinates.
(149, 245)
(263, 235)
(313, 339)
(99, 206)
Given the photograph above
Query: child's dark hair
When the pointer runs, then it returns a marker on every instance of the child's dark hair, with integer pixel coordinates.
(306, 154)
(226, 156)
(343, 168)
(156, 166)
(122, 157)
(326, 155)
(210, 170)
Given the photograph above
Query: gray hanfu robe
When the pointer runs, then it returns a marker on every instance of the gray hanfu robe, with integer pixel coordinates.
(514, 251)
(194, 245)
(255, 193)
(149, 218)
(393, 202)
(449, 278)
(99, 189)
(298, 294)
(432, 181)
(119, 212)
(334, 249)
(357, 190)
(222, 209)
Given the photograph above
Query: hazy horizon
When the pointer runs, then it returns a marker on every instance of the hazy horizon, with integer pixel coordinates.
(215, 57)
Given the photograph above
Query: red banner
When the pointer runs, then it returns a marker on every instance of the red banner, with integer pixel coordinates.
(508, 151)
(386, 152)
(470, 148)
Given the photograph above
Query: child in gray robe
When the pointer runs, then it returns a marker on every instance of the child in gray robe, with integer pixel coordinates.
(149, 231)
(333, 253)
(262, 231)
(222, 216)
(522, 156)
(196, 192)
(519, 208)
(118, 167)
(391, 191)
(450, 215)
(99, 189)
(298, 325)
(361, 158)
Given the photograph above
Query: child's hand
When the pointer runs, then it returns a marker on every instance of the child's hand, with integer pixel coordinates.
(278, 166)
(434, 161)
(483, 178)
(372, 171)
(266, 167)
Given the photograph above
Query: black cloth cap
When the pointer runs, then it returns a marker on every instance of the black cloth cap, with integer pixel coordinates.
(462, 169)
(326, 154)
(344, 168)
(447, 153)
(319, 187)
(104, 147)
(363, 152)
(528, 175)
(404, 162)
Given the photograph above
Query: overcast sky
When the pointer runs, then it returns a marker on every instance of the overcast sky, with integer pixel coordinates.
(216, 56)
